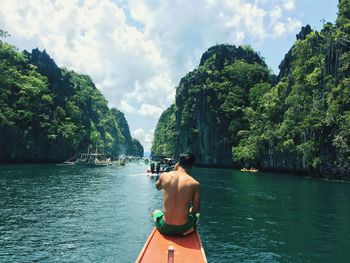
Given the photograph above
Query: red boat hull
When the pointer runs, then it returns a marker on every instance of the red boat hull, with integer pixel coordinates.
(163, 248)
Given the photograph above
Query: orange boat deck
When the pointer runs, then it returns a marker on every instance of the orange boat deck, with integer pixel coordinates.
(162, 248)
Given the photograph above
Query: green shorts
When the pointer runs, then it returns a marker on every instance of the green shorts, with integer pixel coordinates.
(178, 230)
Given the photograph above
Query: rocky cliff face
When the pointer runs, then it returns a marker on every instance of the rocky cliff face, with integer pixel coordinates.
(48, 114)
(202, 134)
(316, 70)
(209, 104)
(218, 83)
(231, 111)
(126, 145)
(165, 135)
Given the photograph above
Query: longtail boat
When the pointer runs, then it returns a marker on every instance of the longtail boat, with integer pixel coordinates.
(163, 248)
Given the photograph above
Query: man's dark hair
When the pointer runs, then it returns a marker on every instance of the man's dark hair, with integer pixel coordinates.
(187, 160)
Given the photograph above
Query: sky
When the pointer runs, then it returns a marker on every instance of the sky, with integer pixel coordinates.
(137, 51)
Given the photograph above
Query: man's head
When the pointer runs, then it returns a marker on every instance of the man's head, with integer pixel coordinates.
(187, 160)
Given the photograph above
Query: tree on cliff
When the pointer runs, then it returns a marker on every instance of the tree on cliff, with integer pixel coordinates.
(210, 102)
(48, 113)
(310, 131)
(231, 111)
(165, 134)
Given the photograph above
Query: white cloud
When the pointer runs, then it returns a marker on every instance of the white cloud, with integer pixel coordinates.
(126, 107)
(293, 24)
(279, 28)
(234, 21)
(145, 138)
(210, 2)
(91, 37)
(253, 17)
(288, 26)
(275, 14)
(240, 37)
(137, 52)
(150, 110)
(155, 90)
(289, 5)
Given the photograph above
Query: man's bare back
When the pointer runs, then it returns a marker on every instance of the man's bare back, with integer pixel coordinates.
(179, 191)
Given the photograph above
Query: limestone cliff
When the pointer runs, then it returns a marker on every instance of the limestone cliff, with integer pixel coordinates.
(48, 113)
(231, 111)
(210, 101)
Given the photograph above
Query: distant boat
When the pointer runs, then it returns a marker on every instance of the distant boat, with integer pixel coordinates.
(93, 159)
(99, 159)
(252, 170)
(121, 162)
(66, 163)
(149, 173)
(160, 164)
(163, 248)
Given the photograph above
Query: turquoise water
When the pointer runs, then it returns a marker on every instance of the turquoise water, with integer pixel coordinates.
(70, 214)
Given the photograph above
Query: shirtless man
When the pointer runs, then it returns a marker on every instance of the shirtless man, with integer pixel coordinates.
(179, 191)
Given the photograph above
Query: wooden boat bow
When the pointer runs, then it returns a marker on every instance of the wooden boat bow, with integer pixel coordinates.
(163, 248)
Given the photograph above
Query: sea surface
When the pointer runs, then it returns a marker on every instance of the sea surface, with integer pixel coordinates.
(52, 213)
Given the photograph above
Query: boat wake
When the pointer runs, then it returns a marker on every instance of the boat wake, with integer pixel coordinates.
(132, 175)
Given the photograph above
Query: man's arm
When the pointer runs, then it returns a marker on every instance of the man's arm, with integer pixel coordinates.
(196, 199)
(159, 183)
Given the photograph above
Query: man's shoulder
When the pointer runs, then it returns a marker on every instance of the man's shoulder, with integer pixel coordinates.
(166, 175)
(193, 181)
(196, 183)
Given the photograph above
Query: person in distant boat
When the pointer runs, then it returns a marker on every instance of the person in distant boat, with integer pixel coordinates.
(158, 167)
(152, 167)
(180, 190)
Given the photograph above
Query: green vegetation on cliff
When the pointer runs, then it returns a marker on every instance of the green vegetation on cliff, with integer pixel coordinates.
(49, 113)
(231, 111)
(303, 123)
(210, 103)
(165, 133)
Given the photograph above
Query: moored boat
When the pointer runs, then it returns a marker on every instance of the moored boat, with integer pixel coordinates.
(149, 173)
(94, 159)
(252, 170)
(97, 159)
(66, 163)
(160, 164)
(163, 248)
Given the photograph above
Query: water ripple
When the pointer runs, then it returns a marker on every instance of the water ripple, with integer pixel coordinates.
(72, 214)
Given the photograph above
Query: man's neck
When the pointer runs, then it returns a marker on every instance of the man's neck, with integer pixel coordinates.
(182, 170)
